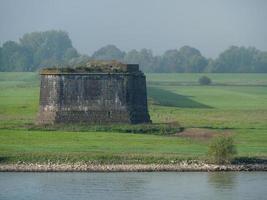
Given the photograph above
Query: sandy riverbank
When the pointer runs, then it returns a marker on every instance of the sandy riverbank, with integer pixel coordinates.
(128, 167)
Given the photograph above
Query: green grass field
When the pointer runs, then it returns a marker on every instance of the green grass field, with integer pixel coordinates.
(235, 103)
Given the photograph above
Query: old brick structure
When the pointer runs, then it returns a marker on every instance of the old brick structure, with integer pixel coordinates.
(98, 92)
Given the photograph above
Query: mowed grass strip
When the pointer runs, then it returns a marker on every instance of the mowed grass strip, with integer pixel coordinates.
(28, 141)
(22, 144)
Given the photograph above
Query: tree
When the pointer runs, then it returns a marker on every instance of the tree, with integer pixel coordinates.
(144, 58)
(14, 57)
(172, 61)
(36, 50)
(132, 57)
(188, 51)
(70, 53)
(48, 48)
(1, 60)
(192, 60)
(222, 149)
(109, 52)
(236, 59)
(186, 59)
(260, 64)
(196, 64)
(44, 49)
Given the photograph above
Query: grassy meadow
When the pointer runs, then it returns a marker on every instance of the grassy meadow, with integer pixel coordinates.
(234, 104)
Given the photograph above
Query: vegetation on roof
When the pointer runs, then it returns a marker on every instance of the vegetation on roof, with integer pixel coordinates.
(92, 66)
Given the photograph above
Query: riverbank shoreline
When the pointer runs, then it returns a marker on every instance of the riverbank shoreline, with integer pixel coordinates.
(129, 167)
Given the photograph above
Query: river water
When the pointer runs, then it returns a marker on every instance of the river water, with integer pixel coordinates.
(130, 186)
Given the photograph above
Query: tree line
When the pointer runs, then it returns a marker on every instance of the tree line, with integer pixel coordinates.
(45, 49)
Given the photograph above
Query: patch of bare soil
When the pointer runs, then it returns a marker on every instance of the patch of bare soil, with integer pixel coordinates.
(202, 133)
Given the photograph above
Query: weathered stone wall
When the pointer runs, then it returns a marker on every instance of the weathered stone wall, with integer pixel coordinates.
(93, 98)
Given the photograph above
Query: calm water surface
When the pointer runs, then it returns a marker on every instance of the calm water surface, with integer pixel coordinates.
(129, 186)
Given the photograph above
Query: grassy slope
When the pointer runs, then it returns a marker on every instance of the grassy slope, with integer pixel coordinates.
(241, 108)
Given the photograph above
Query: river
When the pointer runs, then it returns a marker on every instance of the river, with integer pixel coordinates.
(130, 186)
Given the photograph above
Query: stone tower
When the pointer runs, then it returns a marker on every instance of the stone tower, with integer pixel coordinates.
(97, 93)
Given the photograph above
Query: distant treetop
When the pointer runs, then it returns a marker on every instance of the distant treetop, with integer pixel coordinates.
(37, 50)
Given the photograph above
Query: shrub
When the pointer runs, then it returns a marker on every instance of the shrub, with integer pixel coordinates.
(155, 129)
(204, 80)
(222, 149)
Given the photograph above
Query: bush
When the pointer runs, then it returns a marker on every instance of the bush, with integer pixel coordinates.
(222, 150)
(204, 80)
(155, 129)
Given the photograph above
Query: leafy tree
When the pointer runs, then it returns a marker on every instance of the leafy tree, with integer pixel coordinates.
(192, 60)
(222, 149)
(1, 60)
(14, 57)
(48, 48)
(196, 64)
(236, 59)
(144, 58)
(261, 63)
(70, 53)
(109, 52)
(157, 65)
(40, 49)
(188, 51)
(187, 59)
(132, 57)
(36, 50)
(172, 61)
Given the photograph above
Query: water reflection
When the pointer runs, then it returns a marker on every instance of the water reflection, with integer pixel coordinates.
(94, 185)
(133, 186)
(222, 179)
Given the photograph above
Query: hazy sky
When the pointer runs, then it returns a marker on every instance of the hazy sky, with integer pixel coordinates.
(209, 25)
